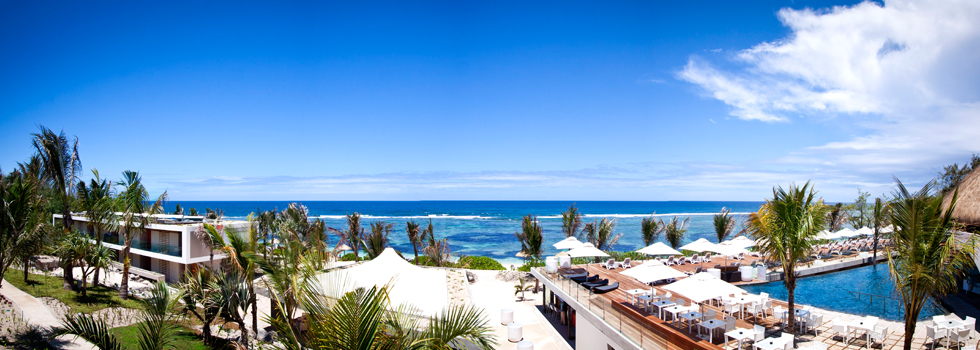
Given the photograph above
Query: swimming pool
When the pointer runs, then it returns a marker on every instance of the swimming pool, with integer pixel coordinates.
(835, 291)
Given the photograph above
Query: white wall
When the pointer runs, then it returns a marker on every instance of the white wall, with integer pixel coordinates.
(588, 337)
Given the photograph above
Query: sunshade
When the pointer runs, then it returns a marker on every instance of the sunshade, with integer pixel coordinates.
(865, 231)
(702, 287)
(521, 254)
(343, 247)
(826, 235)
(887, 229)
(846, 232)
(658, 248)
(648, 273)
(586, 250)
(701, 245)
(739, 242)
(728, 250)
(568, 243)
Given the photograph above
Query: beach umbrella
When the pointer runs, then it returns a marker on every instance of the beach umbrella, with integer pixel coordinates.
(658, 248)
(568, 243)
(587, 250)
(649, 273)
(521, 254)
(739, 242)
(887, 229)
(864, 231)
(727, 250)
(701, 245)
(825, 235)
(562, 254)
(846, 233)
(702, 287)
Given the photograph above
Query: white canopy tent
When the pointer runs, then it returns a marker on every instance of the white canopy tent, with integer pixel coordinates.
(423, 288)
(651, 271)
(658, 248)
(587, 250)
(568, 243)
(702, 287)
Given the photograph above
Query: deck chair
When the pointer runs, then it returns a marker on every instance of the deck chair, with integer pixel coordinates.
(706, 258)
(598, 283)
(609, 264)
(605, 289)
(627, 263)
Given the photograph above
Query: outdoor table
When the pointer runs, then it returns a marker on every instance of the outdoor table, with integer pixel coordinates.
(864, 323)
(690, 317)
(710, 325)
(770, 344)
(673, 311)
(739, 334)
(647, 299)
(948, 325)
(661, 305)
(633, 293)
(741, 301)
(797, 313)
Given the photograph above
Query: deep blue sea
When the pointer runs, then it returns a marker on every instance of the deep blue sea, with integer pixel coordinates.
(487, 227)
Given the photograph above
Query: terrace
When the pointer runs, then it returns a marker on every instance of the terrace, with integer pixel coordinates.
(645, 329)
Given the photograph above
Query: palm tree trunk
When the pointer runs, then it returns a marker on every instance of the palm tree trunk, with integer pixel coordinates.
(254, 301)
(68, 280)
(98, 240)
(244, 338)
(124, 284)
(416, 250)
(874, 259)
(26, 261)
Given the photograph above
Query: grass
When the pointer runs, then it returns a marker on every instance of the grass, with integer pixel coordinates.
(186, 339)
(98, 298)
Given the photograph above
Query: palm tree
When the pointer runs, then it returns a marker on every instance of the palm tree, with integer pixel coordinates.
(212, 239)
(241, 245)
(786, 229)
(601, 235)
(157, 327)
(136, 216)
(352, 235)
(60, 165)
(197, 290)
(836, 218)
(724, 224)
(879, 219)
(412, 229)
(365, 319)
(23, 225)
(927, 258)
(571, 220)
(651, 229)
(376, 242)
(530, 237)
(97, 202)
(674, 231)
(437, 250)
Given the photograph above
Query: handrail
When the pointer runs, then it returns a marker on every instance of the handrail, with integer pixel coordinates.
(884, 304)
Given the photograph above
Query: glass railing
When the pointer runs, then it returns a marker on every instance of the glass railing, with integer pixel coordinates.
(166, 249)
(632, 327)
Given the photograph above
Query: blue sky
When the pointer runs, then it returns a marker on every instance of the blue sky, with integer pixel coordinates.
(491, 100)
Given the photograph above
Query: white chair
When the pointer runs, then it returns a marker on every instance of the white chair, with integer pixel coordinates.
(764, 295)
(708, 314)
(627, 263)
(789, 339)
(706, 258)
(931, 333)
(957, 337)
(695, 259)
(938, 318)
(780, 315)
(729, 323)
(730, 309)
(609, 264)
(840, 327)
(767, 308)
(760, 333)
(814, 321)
(755, 309)
(878, 335)
(970, 323)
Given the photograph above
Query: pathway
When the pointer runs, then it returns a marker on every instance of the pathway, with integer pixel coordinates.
(493, 295)
(37, 314)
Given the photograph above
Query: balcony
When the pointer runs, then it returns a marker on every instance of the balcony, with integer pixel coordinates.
(158, 248)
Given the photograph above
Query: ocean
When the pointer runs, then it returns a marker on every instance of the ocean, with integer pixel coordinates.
(487, 227)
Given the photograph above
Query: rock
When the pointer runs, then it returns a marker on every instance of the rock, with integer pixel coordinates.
(471, 277)
(509, 276)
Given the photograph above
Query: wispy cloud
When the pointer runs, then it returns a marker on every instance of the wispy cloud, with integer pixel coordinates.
(903, 76)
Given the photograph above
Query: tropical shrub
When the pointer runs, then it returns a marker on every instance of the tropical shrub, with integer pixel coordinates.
(479, 263)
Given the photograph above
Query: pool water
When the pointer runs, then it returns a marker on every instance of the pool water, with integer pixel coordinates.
(835, 291)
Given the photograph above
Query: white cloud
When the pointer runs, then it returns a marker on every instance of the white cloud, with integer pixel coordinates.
(904, 76)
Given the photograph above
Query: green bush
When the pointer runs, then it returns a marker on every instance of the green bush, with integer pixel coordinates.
(350, 257)
(479, 263)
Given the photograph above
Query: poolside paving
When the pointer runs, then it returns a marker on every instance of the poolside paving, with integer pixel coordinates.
(824, 332)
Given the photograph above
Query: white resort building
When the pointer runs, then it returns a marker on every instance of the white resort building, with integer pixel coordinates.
(167, 248)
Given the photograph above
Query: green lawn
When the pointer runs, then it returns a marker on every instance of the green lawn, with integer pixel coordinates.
(186, 339)
(98, 298)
